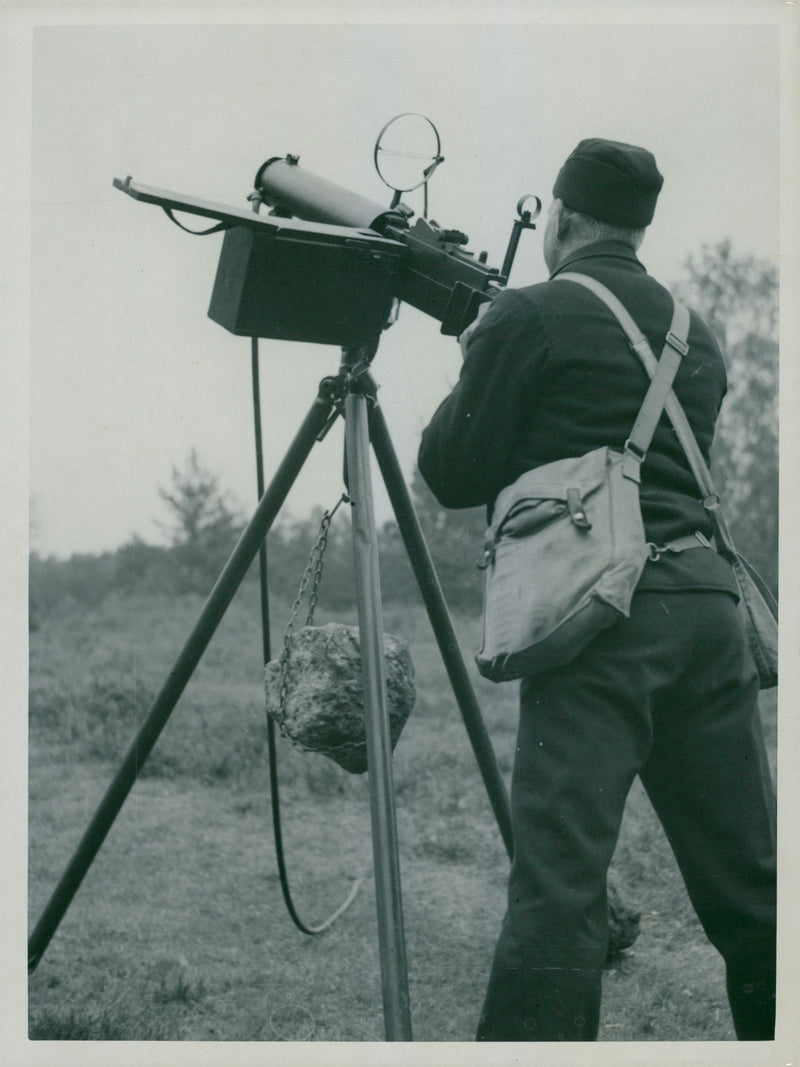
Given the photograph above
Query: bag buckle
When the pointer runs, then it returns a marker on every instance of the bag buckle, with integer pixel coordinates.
(654, 551)
(635, 451)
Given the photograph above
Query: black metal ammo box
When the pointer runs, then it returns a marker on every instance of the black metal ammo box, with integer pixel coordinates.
(326, 284)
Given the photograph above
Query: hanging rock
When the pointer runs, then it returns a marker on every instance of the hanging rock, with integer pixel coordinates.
(324, 704)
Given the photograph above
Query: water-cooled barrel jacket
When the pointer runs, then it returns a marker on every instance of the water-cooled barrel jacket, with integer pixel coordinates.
(549, 374)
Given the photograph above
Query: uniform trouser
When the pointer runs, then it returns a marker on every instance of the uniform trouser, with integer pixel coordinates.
(669, 694)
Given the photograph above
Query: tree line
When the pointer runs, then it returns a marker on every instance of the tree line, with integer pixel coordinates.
(737, 296)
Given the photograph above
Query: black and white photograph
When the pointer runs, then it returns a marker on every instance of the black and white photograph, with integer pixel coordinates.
(394, 441)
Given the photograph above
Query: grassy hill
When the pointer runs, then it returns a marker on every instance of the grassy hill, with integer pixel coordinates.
(179, 931)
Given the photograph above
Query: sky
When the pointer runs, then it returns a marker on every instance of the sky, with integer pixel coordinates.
(127, 372)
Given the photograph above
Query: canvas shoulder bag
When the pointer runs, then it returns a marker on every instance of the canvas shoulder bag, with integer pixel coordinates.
(758, 606)
(567, 547)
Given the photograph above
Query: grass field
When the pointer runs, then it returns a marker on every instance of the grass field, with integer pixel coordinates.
(179, 931)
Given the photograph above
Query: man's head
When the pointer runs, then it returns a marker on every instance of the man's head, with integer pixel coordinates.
(606, 190)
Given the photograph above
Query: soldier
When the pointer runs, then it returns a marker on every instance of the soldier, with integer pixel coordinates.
(670, 693)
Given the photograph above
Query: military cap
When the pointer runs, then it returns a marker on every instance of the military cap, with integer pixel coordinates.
(611, 181)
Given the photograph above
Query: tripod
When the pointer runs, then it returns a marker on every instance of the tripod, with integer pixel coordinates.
(352, 394)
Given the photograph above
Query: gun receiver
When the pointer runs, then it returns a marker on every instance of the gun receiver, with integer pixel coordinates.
(437, 275)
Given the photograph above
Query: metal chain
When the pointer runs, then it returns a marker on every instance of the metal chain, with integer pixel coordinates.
(320, 546)
(314, 567)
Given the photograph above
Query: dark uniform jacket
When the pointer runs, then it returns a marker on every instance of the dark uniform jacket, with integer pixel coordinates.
(549, 374)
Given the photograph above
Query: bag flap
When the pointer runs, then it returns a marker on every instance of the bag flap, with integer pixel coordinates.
(550, 482)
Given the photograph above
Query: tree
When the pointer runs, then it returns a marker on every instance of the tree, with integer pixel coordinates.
(738, 298)
(198, 506)
(204, 524)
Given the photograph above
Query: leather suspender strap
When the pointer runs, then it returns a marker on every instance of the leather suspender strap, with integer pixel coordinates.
(675, 342)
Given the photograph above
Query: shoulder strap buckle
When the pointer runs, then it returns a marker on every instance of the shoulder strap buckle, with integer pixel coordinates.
(678, 343)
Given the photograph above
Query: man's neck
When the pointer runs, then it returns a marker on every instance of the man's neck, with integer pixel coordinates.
(582, 249)
(566, 249)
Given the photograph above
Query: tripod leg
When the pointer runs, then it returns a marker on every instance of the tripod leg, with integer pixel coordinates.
(391, 940)
(215, 607)
(429, 586)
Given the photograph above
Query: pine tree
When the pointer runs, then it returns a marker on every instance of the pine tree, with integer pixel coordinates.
(204, 524)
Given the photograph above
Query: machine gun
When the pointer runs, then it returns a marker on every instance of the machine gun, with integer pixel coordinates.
(328, 266)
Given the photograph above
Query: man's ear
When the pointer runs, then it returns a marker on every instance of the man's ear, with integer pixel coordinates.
(564, 224)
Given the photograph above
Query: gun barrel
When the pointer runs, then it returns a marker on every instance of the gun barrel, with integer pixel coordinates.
(287, 188)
